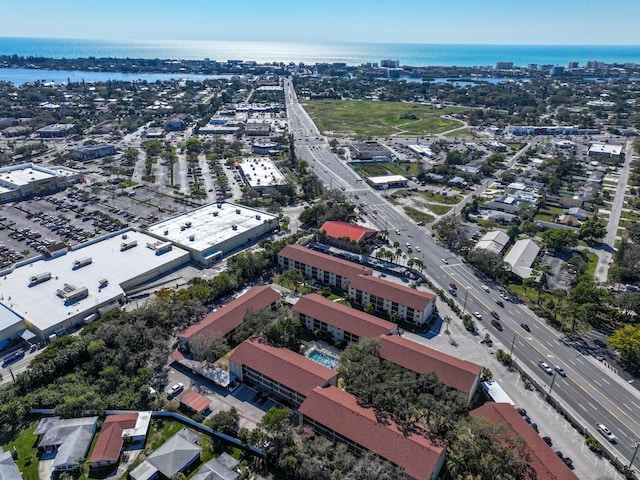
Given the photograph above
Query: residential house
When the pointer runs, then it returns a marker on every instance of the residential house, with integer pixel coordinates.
(284, 373)
(323, 268)
(8, 468)
(414, 306)
(342, 323)
(195, 402)
(174, 456)
(494, 241)
(542, 459)
(68, 438)
(339, 416)
(220, 468)
(116, 429)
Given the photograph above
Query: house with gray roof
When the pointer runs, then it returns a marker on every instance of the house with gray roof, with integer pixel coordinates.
(8, 468)
(221, 468)
(521, 257)
(68, 438)
(175, 455)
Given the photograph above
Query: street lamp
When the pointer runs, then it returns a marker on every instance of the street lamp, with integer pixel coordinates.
(512, 343)
(634, 445)
(464, 305)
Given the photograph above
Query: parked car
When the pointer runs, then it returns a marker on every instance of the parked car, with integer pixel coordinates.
(176, 389)
(561, 371)
(547, 440)
(453, 286)
(606, 433)
(485, 288)
(545, 366)
(521, 411)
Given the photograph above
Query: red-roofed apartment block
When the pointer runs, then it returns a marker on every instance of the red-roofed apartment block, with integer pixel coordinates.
(341, 322)
(131, 427)
(225, 320)
(338, 415)
(459, 374)
(285, 374)
(542, 459)
(408, 304)
(352, 231)
(325, 269)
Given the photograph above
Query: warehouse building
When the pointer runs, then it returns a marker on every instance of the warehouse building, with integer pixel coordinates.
(212, 231)
(75, 286)
(91, 152)
(260, 173)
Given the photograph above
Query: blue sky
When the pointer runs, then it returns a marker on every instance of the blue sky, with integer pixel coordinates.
(386, 21)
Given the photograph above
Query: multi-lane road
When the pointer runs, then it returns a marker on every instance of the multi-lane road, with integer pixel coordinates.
(590, 391)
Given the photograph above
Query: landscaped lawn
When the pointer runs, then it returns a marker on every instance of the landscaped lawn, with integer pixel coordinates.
(439, 209)
(463, 132)
(438, 198)
(376, 119)
(25, 444)
(380, 169)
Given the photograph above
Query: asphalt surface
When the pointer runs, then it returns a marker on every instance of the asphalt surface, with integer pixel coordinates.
(591, 392)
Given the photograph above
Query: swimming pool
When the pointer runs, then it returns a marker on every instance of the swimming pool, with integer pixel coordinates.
(323, 358)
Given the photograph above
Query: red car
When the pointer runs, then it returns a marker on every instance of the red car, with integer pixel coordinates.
(453, 286)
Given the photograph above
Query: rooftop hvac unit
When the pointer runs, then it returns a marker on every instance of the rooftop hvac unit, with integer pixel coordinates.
(76, 294)
(83, 262)
(215, 214)
(238, 211)
(43, 277)
(258, 217)
(124, 236)
(166, 232)
(219, 205)
(103, 283)
(192, 238)
(127, 245)
(234, 227)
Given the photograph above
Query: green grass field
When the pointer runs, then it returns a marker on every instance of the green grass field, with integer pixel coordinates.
(418, 215)
(380, 169)
(439, 209)
(375, 119)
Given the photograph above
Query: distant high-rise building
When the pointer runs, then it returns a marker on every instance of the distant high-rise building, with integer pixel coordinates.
(504, 65)
(390, 63)
(556, 70)
(572, 65)
(532, 66)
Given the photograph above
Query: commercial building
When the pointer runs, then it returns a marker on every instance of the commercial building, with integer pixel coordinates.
(55, 130)
(91, 152)
(605, 150)
(541, 130)
(325, 269)
(388, 181)
(459, 374)
(545, 463)
(351, 231)
(176, 122)
(339, 416)
(494, 241)
(414, 306)
(317, 313)
(284, 374)
(260, 173)
(75, 285)
(224, 321)
(521, 257)
(265, 148)
(26, 180)
(212, 231)
(369, 150)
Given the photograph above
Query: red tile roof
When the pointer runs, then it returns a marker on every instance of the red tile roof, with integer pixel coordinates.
(341, 412)
(109, 443)
(454, 372)
(343, 317)
(229, 317)
(193, 400)
(543, 459)
(282, 365)
(323, 261)
(416, 299)
(352, 231)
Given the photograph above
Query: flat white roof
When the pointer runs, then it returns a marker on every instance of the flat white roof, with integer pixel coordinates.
(25, 175)
(606, 148)
(387, 179)
(261, 172)
(8, 318)
(40, 304)
(210, 225)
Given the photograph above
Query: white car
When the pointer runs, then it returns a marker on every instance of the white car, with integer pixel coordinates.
(545, 366)
(606, 433)
(485, 288)
(477, 315)
(176, 389)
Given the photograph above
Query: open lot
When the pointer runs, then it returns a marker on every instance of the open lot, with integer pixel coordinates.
(368, 118)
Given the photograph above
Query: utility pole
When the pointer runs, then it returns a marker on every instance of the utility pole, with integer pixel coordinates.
(464, 305)
(512, 343)
(552, 382)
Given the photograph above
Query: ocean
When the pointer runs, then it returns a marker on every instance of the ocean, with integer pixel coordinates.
(311, 53)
